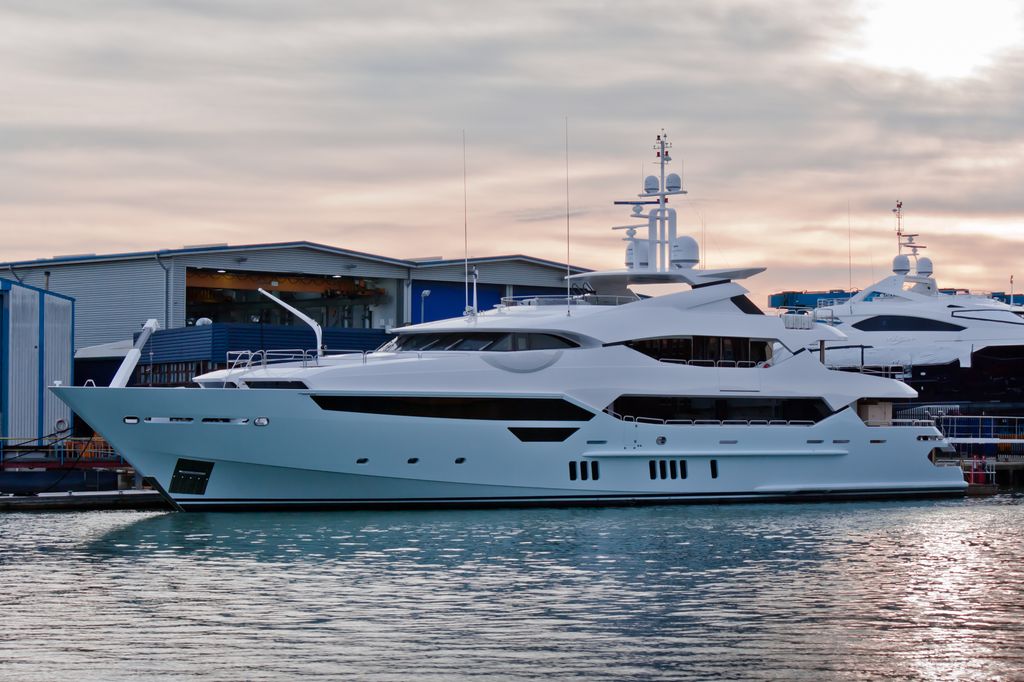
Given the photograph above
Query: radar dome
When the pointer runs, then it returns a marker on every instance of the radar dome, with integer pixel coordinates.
(901, 264)
(673, 183)
(203, 321)
(639, 250)
(924, 267)
(685, 252)
(651, 184)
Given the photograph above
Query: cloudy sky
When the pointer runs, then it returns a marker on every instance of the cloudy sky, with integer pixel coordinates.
(131, 124)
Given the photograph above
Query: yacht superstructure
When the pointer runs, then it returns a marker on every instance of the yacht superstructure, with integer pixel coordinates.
(949, 346)
(596, 397)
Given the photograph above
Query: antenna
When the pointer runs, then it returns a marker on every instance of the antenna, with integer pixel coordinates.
(901, 235)
(899, 226)
(849, 242)
(568, 269)
(475, 276)
(465, 222)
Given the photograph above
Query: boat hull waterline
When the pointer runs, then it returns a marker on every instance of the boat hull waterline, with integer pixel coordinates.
(307, 457)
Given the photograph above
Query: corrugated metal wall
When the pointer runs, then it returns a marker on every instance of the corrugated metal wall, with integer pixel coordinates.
(22, 363)
(57, 326)
(112, 299)
(37, 353)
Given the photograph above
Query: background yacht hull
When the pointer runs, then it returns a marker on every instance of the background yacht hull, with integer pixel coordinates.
(306, 456)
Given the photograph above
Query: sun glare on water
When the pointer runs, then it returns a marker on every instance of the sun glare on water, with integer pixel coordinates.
(941, 40)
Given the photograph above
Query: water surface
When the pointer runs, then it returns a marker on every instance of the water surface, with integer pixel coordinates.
(914, 590)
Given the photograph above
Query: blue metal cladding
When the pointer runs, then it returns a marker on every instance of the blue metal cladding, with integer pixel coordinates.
(448, 299)
(537, 291)
(212, 342)
(4, 354)
(805, 299)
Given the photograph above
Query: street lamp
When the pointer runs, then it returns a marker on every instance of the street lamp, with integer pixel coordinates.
(423, 303)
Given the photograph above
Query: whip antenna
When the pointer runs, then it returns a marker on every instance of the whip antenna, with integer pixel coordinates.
(465, 223)
(568, 269)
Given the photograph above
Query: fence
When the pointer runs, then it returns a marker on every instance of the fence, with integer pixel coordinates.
(58, 452)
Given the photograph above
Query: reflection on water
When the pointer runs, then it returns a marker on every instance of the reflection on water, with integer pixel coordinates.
(845, 591)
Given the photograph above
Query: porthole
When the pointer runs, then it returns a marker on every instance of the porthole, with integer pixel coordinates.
(261, 421)
(362, 460)
(460, 460)
(661, 440)
(666, 469)
(131, 420)
(413, 460)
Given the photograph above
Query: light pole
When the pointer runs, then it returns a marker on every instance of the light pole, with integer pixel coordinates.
(423, 304)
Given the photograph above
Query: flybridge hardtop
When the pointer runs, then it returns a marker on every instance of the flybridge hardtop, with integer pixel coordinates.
(714, 310)
(596, 397)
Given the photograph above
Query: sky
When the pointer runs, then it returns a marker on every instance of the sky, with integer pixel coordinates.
(797, 125)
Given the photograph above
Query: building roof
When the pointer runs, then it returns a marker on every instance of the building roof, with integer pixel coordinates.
(225, 248)
(6, 284)
(494, 259)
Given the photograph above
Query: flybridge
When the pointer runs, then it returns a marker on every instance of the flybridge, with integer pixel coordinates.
(661, 255)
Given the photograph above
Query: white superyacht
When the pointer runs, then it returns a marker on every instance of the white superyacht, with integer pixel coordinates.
(951, 346)
(596, 397)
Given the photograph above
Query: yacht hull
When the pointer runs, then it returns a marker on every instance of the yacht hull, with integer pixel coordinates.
(210, 449)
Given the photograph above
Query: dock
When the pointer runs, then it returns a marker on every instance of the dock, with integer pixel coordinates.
(142, 500)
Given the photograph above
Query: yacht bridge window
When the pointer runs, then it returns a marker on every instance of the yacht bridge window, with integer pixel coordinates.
(706, 350)
(719, 409)
(478, 341)
(905, 323)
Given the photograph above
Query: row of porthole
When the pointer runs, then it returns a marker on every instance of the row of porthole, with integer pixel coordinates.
(585, 470)
(411, 460)
(258, 421)
(673, 469)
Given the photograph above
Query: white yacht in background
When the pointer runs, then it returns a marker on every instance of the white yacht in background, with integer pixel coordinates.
(950, 346)
(596, 397)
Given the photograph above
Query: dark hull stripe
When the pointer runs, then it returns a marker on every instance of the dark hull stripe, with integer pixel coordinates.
(242, 504)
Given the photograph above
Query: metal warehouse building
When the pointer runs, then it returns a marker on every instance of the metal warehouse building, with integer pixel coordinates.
(35, 351)
(354, 296)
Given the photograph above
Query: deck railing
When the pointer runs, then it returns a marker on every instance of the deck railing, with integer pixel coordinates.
(562, 299)
(26, 452)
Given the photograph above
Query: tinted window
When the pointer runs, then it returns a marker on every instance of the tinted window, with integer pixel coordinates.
(547, 342)
(478, 341)
(746, 305)
(444, 407)
(704, 348)
(903, 323)
(682, 408)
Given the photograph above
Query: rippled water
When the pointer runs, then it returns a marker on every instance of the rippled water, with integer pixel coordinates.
(817, 591)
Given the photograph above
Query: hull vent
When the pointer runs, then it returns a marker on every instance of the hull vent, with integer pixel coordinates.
(190, 477)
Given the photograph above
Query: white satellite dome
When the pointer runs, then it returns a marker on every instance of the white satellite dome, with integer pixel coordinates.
(924, 267)
(685, 252)
(651, 184)
(901, 264)
(641, 250)
(673, 183)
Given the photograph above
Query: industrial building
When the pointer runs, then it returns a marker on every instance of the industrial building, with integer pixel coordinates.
(36, 327)
(354, 296)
